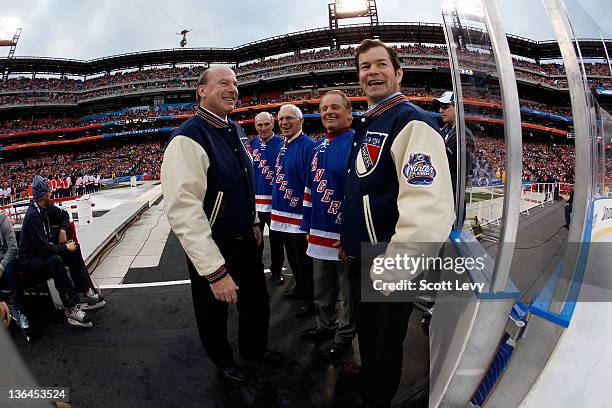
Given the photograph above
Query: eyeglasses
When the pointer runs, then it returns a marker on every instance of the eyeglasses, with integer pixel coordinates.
(287, 118)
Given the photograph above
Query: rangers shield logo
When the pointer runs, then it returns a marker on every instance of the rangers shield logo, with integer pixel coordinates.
(370, 152)
(419, 170)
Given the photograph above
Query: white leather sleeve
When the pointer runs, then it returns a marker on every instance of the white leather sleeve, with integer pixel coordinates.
(183, 178)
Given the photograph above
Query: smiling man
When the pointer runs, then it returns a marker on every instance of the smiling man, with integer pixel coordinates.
(322, 221)
(398, 191)
(287, 197)
(207, 181)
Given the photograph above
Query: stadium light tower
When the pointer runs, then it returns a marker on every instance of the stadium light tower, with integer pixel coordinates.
(9, 36)
(344, 9)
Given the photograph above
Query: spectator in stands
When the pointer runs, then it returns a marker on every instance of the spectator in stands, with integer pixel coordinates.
(568, 210)
(5, 195)
(45, 255)
(9, 267)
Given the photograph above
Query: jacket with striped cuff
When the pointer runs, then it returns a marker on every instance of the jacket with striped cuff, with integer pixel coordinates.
(292, 167)
(207, 181)
(398, 186)
(264, 161)
(324, 193)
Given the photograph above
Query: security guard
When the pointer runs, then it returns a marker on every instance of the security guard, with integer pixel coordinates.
(207, 181)
(398, 190)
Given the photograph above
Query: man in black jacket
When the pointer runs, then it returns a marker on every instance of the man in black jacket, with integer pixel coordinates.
(446, 106)
(44, 256)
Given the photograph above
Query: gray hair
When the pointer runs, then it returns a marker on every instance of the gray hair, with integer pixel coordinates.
(297, 112)
(260, 114)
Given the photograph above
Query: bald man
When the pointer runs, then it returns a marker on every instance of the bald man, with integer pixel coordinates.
(265, 150)
(207, 181)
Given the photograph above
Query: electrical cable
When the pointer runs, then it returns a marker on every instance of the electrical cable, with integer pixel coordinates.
(543, 242)
(166, 14)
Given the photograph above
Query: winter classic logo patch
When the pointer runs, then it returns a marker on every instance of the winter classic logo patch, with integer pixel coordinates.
(419, 170)
(370, 152)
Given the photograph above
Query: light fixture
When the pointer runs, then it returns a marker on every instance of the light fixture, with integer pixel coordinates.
(351, 7)
(8, 27)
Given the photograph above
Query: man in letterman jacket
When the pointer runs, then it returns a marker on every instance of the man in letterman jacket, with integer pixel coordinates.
(265, 150)
(292, 167)
(398, 191)
(207, 181)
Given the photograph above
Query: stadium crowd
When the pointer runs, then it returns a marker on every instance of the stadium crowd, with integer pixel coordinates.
(39, 90)
(149, 113)
(542, 162)
(109, 162)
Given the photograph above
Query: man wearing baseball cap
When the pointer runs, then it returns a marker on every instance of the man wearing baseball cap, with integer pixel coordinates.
(445, 104)
(44, 255)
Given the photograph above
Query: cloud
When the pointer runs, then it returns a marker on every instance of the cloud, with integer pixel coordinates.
(81, 29)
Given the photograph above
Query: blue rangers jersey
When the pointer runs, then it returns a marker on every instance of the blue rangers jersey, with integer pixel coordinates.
(264, 162)
(324, 192)
(292, 166)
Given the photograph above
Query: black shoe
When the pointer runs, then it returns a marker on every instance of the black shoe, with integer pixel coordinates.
(305, 311)
(278, 278)
(269, 357)
(317, 335)
(293, 294)
(233, 375)
(336, 351)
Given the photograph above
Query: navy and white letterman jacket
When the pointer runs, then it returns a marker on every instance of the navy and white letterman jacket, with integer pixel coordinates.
(292, 167)
(398, 186)
(207, 181)
(324, 193)
(264, 162)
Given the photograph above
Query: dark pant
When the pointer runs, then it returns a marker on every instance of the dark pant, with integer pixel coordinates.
(300, 263)
(253, 304)
(11, 274)
(567, 210)
(381, 329)
(38, 268)
(277, 253)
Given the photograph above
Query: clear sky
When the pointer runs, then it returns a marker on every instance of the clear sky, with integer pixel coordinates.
(86, 29)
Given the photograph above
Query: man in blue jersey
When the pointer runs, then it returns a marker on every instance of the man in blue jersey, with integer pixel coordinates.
(398, 191)
(323, 220)
(291, 169)
(265, 150)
